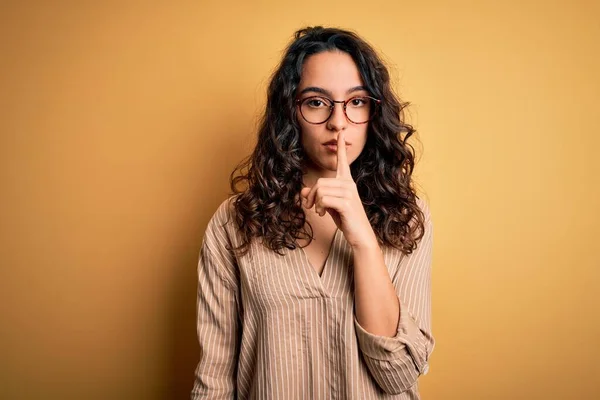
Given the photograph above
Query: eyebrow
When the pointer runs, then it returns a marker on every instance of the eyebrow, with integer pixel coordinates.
(327, 92)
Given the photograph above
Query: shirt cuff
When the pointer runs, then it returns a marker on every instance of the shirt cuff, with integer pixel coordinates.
(408, 341)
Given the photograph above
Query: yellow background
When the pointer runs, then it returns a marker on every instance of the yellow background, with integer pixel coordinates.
(121, 121)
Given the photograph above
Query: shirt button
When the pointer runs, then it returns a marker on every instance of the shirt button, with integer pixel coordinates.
(425, 369)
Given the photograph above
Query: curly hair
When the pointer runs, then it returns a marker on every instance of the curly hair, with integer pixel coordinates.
(268, 205)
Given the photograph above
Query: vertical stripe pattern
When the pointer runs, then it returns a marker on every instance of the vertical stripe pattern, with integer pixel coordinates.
(270, 327)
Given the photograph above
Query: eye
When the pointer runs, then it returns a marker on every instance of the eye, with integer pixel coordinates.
(316, 102)
(359, 101)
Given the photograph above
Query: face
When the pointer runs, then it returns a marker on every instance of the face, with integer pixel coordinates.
(332, 75)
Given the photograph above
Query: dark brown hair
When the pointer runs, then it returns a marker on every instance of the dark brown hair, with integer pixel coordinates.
(268, 205)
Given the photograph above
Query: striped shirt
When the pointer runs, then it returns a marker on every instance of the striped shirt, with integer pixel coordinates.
(270, 327)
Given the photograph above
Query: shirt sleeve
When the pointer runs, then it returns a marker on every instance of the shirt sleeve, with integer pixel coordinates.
(218, 321)
(396, 362)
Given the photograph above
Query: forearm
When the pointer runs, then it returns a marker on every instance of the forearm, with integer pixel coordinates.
(376, 304)
(395, 351)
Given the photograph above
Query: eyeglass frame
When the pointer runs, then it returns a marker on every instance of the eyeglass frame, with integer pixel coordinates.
(331, 108)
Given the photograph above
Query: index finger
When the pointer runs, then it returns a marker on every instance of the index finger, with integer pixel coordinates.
(343, 168)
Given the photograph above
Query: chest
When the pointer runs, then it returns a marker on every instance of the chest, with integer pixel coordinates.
(274, 283)
(318, 250)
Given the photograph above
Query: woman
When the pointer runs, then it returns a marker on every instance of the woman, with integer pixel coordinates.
(314, 278)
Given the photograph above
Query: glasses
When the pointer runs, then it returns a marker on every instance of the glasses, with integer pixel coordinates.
(318, 109)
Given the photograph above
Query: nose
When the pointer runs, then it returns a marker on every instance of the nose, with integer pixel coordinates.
(337, 121)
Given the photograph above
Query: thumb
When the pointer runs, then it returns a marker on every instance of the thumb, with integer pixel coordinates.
(304, 195)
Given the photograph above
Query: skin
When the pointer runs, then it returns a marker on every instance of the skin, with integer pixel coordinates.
(331, 190)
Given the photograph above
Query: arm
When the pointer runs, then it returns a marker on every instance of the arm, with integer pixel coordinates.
(399, 306)
(218, 323)
(396, 362)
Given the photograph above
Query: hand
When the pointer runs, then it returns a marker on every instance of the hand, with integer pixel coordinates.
(339, 197)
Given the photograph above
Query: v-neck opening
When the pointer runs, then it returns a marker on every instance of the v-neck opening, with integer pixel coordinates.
(321, 277)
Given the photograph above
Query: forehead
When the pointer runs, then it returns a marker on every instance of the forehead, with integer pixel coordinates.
(334, 71)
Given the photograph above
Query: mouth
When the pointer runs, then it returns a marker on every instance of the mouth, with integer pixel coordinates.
(332, 145)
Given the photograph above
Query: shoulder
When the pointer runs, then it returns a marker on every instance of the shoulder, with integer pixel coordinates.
(222, 222)
(424, 207)
(224, 213)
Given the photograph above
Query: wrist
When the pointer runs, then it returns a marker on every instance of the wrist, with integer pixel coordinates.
(369, 244)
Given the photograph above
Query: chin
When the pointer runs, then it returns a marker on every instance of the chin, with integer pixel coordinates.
(325, 167)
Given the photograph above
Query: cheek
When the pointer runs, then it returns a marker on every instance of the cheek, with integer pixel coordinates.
(309, 136)
(361, 139)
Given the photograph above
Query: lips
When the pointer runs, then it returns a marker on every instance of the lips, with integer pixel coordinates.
(332, 147)
(333, 142)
